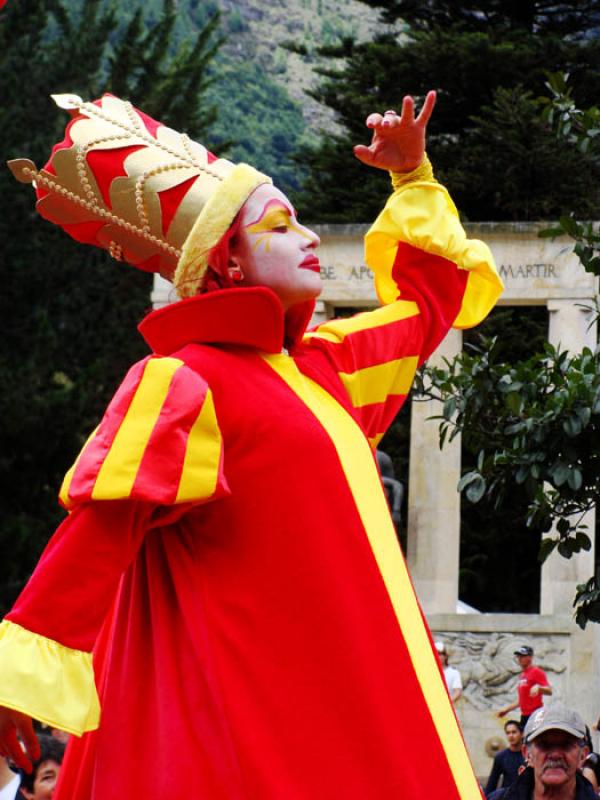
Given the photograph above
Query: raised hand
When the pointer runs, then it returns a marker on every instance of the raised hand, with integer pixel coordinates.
(398, 142)
(13, 725)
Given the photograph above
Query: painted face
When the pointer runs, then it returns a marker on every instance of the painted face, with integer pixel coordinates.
(555, 757)
(274, 250)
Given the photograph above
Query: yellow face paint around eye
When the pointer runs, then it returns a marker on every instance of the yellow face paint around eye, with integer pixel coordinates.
(275, 217)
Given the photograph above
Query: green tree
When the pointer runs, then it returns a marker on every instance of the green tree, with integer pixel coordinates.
(69, 312)
(564, 19)
(468, 62)
(531, 427)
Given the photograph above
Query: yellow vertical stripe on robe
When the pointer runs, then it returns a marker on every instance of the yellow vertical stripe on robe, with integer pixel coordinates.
(119, 470)
(361, 473)
(200, 472)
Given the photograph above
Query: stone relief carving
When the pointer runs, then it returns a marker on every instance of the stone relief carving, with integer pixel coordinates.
(488, 668)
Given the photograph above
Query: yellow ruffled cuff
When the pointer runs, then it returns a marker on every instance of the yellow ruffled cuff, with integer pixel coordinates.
(421, 213)
(424, 172)
(47, 681)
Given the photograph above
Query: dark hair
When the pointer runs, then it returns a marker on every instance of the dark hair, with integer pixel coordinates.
(51, 749)
(513, 722)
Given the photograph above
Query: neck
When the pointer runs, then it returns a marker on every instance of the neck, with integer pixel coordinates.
(565, 791)
(514, 748)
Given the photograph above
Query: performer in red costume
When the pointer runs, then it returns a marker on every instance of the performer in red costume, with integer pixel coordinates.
(226, 613)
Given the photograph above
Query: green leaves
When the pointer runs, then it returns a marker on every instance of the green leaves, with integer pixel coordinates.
(533, 424)
(474, 485)
(587, 602)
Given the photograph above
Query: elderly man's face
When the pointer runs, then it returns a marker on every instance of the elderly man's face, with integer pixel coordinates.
(555, 757)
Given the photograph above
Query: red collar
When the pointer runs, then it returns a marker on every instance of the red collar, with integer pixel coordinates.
(251, 317)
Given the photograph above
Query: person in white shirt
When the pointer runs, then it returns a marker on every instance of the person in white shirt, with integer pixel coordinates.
(9, 781)
(451, 674)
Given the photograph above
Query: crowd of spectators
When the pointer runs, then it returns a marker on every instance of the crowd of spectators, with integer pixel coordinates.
(549, 749)
(40, 783)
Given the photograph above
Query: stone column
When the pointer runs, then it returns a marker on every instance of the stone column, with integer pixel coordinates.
(433, 545)
(569, 329)
(321, 313)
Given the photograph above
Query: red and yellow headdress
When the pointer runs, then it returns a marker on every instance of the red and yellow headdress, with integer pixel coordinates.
(149, 195)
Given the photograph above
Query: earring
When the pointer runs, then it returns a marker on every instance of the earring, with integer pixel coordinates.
(235, 274)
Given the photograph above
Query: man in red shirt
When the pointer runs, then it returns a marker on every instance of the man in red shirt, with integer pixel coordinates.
(533, 685)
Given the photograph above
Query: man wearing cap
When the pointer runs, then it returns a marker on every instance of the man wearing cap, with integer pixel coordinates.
(451, 674)
(555, 750)
(533, 685)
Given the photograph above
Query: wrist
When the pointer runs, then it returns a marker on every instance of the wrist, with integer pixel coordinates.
(424, 172)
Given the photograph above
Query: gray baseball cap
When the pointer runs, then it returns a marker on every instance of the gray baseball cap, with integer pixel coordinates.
(554, 718)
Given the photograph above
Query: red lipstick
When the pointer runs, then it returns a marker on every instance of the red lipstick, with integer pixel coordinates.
(311, 262)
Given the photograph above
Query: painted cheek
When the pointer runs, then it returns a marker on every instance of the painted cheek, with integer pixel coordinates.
(264, 228)
(264, 239)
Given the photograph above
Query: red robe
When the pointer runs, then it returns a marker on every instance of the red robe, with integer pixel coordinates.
(231, 560)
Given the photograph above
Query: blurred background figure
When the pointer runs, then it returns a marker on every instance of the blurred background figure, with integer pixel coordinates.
(393, 488)
(591, 765)
(505, 769)
(451, 674)
(9, 782)
(533, 685)
(41, 782)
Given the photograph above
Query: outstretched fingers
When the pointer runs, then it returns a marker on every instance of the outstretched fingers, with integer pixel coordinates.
(408, 110)
(427, 109)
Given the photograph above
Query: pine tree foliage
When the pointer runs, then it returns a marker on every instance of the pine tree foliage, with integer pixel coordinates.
(533, 16)
(468, 66)
(69, 312)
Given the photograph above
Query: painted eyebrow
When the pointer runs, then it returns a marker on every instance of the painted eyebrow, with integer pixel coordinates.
(271, 204)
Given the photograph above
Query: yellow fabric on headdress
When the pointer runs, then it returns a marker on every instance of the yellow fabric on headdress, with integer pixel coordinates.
(211, 224)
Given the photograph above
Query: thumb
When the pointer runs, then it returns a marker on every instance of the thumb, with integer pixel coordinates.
(363, 153)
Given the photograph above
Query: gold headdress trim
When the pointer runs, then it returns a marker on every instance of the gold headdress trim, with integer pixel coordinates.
(211, 224)
(163, 159)
(25, 171)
